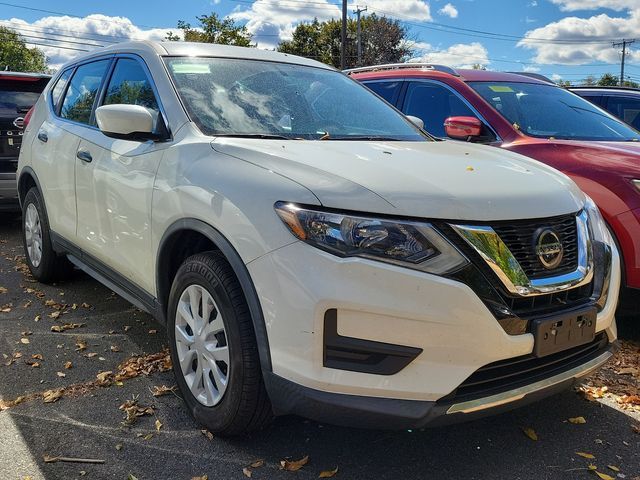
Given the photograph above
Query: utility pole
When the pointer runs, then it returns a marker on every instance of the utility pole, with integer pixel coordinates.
(358, 11)
(343, 39)
(624, 43)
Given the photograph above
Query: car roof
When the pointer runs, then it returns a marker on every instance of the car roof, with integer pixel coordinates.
(22, 76)
(195, 49)
(607, 89)
(465, 75)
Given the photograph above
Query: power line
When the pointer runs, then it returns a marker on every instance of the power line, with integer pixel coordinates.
(48, 31)
(623, 44)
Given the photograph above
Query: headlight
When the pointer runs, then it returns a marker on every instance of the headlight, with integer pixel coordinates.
(599, 228)
(410, 244)
(636, 183)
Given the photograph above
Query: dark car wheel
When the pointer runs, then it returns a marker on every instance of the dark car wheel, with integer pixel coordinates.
(213, 347)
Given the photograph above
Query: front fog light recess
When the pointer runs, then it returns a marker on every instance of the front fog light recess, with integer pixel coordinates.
(410, 244)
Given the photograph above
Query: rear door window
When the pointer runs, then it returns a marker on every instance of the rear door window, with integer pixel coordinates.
(83, 88)
(59, 87)
(387, 90)
(433, 104)
(627, 109)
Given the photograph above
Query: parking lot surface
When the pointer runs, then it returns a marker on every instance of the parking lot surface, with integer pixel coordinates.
(97, 332)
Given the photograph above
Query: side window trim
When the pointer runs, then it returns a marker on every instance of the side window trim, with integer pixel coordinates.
(103, 90)
(93, 107)
(56, 107)
(460, 97)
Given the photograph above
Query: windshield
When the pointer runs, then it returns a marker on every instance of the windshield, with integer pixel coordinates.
(235, 97)
(547, 111)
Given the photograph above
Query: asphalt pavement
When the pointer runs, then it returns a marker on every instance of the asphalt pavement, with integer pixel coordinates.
(89, 424)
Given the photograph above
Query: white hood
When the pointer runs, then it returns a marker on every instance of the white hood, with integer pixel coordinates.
(445, 180)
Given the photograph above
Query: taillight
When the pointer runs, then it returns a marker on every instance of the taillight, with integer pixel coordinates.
(27, 117)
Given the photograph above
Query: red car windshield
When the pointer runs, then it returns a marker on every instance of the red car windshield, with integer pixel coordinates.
(546, 111)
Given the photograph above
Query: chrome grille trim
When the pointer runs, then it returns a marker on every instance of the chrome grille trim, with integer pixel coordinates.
(488, 244)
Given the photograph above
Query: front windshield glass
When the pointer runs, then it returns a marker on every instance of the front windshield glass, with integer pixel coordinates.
(547, 111)
(236, 97)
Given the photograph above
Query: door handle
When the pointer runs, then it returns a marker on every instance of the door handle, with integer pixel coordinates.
(84, 156)
(42, 136)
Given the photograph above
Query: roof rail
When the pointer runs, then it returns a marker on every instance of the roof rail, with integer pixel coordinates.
(537, 76)
(398, 66)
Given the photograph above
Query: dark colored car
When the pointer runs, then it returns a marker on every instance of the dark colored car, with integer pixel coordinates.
(18, 93)
(532, 117)
(623, 102)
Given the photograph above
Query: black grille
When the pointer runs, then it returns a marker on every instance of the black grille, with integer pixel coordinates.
(512, 373)
(519, 237)
(527, 307)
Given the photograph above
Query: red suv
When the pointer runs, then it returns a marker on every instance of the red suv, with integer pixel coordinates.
(534, 118)
(18, 93)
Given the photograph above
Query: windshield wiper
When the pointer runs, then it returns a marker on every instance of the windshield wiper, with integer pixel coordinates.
(367, 137)
(254, 135)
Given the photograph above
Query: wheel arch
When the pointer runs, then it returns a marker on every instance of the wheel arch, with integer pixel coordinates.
(26, 181)
(206, 238)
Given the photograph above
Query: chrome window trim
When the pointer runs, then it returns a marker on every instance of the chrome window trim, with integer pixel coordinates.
(508, 270)
(457, 94)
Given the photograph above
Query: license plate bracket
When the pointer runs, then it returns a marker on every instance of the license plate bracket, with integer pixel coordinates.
(561, 332)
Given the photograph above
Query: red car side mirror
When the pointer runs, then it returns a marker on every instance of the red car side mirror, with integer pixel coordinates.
(463, 128)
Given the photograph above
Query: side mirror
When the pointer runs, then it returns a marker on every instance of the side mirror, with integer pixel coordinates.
(126, 122)
(463, 128)
(416, 121)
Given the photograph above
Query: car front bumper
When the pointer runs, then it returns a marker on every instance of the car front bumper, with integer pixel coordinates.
(453, 330)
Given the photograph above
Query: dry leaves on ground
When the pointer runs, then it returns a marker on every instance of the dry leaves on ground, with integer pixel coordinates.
(294, 465)
(66, 326)
(577, 420)
(531, 433)
(328, 473)
(160, 390)
(53, 395)
(134, 410)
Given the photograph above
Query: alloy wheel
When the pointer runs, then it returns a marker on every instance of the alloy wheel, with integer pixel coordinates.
(33, 235)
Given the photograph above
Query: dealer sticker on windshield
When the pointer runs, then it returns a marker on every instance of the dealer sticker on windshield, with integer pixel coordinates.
(501, 88)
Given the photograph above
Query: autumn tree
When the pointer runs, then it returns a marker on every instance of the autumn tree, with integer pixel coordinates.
(213, 29)
(16, 56)
(383, 41)
(608, 80)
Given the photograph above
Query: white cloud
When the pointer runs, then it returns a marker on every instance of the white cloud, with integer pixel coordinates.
(449, 10)
(270, 21)
(530, 68)
(461, 55)
(587, 32)
(103, 29)
(533, 3)
(556, 78)
(573, 5)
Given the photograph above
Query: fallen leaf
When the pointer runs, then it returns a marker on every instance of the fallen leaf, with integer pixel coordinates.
(577, 420)
(114, 348)
(628, 371)
(246, 472)
(36, 356)
(294, 465)
(635, 429)
(51, 396)
(86, 305)
(531, 433)
(203, 477)
(133, 410)
(81, 345)
(207, 434)
(147, 437)
(158, 425)
(91, 354)
(328, 473)
(257, 464)
(74, 306)
(3, 290)
(55, 314)
(27, 333)
(119, 446)
(68, 365)
(37, 318)
(25, 341)
(61, 375)
(126, 328)
(159, 391)
(592, 467)
(66, 326)
(585, 455)
(104, 378)
(33, 364)
(604, 476)
(614, 468)
(153, 332)
(131, 477)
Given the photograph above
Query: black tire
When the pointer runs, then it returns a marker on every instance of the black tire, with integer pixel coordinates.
(245, 405)
(52, 267)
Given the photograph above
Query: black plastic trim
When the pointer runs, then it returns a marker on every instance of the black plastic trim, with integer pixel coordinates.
(107, 276)
(360, 355)
(239, 269)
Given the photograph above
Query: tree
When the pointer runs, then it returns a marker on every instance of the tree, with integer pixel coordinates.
(478, 66)
(16, 56)
(383, 41)
(213, 29)
(608, 80)
(589, 81)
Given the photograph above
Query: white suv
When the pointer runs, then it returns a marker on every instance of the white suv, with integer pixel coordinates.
(310, 250)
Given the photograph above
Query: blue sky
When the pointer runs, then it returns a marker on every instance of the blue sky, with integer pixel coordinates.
(564, 38)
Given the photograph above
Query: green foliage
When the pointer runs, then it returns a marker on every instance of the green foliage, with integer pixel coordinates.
(16, 56)
(383, 41)
(608, 80)
(213, 29)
